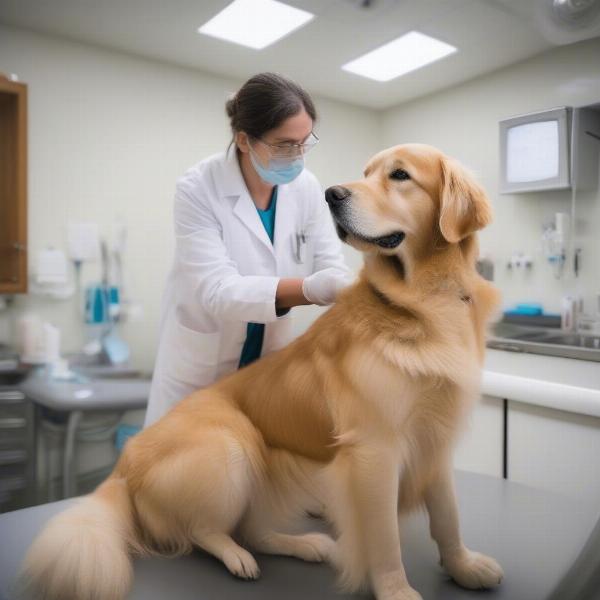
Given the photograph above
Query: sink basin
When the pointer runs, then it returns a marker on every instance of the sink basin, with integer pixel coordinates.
(540, 340)
(575, 339)
(108, 372)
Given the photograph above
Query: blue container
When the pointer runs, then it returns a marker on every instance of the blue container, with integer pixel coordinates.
(96, 304)
(529, 309)
(124, 432)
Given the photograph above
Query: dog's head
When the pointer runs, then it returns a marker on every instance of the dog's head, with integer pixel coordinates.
(412, 198)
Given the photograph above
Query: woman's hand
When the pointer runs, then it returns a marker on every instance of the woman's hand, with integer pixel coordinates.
(323, 286)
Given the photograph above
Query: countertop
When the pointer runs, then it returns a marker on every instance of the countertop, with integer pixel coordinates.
(87, 393)
(560, 383)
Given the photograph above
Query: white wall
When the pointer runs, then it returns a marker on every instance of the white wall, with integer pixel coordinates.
(463, 121)
(109, 133)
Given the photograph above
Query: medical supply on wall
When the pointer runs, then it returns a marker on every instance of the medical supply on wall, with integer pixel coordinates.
(83, 241)
(51, 266)
(568, 312)
(555, 242)
(520, 261)
(96, 317)
(50, 278)
(102, 305)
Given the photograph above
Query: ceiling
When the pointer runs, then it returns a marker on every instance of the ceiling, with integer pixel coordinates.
(489, 34)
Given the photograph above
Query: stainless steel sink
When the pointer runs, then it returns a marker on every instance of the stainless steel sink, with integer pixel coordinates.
(575, 339)
(541, 340)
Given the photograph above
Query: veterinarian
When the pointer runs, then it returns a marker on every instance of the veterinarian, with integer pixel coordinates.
(254, 237)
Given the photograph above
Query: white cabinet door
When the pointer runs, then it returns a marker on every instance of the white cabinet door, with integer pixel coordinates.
(480, 448)
(555, 450)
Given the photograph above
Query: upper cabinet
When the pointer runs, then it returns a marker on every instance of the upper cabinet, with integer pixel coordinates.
(13, 186)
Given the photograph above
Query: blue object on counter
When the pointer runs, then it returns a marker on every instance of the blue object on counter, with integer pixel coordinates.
(526, 309)
(96, 304)
(115, 347)
(124, 432)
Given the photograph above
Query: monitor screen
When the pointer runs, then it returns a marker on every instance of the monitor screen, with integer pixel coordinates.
(532, 151)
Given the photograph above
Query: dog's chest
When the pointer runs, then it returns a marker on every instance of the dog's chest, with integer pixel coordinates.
(382, 390)
(408, 403)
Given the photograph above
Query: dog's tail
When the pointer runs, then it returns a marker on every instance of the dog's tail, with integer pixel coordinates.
(84, 552)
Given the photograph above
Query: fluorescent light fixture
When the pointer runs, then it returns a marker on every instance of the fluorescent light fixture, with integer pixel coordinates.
(255, 23)
(400, 56)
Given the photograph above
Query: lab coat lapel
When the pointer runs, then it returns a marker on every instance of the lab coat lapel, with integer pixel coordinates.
(232, 185)
(245, 210)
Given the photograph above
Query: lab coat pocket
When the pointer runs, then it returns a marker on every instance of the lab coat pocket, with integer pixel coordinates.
(302, 249)
(193, 355)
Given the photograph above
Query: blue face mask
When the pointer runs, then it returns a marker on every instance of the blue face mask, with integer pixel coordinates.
(280, 170)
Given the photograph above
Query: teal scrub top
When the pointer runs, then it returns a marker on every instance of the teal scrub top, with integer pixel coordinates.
(256, 331)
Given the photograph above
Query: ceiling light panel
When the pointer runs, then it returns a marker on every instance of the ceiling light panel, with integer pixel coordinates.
(255, 23)
(400, 56)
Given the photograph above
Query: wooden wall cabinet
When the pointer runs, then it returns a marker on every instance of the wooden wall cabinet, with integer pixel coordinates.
(13, 186)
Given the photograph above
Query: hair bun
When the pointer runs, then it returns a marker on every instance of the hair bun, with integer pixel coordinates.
(231, 106)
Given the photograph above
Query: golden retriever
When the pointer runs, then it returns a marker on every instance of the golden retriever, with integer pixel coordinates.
(354, 420)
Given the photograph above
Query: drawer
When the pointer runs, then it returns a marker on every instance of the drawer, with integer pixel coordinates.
(13, 484)
(11, 397)
(11, 472)
(14, 411)
(8, 422)
(14, 433)
(13, 457)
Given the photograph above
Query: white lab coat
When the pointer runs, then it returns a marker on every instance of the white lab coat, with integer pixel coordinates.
(226, 270)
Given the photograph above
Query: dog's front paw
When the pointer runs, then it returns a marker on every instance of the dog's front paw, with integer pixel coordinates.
(473, 570)
(393, 586)
(405, 593)
(316, 547)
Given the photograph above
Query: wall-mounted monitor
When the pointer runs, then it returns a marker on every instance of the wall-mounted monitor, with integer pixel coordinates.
(535, 151)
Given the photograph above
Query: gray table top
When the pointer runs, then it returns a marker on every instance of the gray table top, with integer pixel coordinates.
(534, 535)
(87, 393)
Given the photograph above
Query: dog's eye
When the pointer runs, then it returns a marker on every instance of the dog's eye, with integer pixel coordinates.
(399, 175)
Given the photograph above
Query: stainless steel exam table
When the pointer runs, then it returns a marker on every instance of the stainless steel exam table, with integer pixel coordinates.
(535, 535)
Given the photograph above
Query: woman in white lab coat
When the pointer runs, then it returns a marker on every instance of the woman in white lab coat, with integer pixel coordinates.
(254, 238)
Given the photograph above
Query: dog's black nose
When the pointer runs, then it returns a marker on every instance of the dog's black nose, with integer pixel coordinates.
(336, 193)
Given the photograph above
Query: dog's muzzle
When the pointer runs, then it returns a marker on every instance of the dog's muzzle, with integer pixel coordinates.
(336, 194)
(337, 197)
(385, 241)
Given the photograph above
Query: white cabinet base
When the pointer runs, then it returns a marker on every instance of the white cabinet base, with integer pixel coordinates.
(480, 448)
(554, 450)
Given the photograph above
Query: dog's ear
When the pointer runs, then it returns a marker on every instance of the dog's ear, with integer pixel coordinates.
(464, 206)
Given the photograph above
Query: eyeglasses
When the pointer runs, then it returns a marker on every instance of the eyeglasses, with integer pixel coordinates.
(290, 150)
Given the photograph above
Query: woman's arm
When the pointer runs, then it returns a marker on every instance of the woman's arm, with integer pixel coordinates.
(207, 276)
(289, 293)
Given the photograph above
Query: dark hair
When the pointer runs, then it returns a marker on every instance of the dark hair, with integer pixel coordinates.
(264, 102)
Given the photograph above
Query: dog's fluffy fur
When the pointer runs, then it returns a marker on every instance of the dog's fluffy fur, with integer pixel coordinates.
(354, 420)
